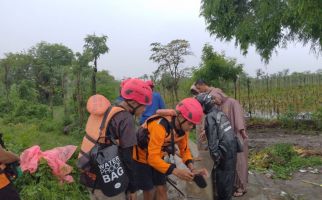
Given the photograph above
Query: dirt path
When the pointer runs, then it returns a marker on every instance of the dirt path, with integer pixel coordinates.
(260, 186)
(260, 138)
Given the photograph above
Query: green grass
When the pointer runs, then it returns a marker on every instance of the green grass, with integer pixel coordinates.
(282, 159)
(24, 135)
(48, 134)
(192, 136)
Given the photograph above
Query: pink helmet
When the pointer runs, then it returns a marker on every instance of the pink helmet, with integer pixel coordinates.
(124, 81)
(137, 90)
(149, 83)
(191, 110)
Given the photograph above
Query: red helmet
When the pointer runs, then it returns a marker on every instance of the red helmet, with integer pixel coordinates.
(124, 81)
(191, 110)
(137, 90)
(149, 83)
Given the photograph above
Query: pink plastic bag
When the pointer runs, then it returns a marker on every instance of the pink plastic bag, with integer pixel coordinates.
(29, 159)
(56, 159)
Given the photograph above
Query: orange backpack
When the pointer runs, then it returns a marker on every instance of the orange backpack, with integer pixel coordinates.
(97, 105)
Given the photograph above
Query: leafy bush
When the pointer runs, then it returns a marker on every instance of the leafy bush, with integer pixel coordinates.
(27, 90)
(29, 109)
(5, 107)
(317, 117)
(288, 118)
(49, 125)
(43, 185)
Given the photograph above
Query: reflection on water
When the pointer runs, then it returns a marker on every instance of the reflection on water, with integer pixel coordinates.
(274, 115)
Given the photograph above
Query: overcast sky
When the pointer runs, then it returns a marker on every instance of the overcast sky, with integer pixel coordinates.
(131, 26)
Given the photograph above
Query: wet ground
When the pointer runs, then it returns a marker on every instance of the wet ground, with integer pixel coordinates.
(261, 186)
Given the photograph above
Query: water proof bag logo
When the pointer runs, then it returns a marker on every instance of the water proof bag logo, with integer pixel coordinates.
(111, 177)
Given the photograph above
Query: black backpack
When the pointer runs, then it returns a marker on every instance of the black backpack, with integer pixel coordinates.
(106, 164)
(225, 127)
(143, 138)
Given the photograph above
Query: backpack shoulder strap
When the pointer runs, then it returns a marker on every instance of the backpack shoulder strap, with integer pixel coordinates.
(168, 127)
(166, 124)
(108, 115)
(218, 117)
(163, 121)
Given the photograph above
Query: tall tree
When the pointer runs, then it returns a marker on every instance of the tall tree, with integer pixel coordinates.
(17, 69)
(81, 69)
(97, 46)
(265, 24)
(169, 57)
(51, 59)
(216, 68)
(107, 85)
(6, 79)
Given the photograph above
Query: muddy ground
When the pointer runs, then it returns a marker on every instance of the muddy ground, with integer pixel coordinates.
(261, 186)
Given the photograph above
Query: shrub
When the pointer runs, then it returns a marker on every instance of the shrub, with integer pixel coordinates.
(288, 118)
(49, 125)
(31, 110)
(44, 185)
(5, 107)
(282, 159)
(317, 117)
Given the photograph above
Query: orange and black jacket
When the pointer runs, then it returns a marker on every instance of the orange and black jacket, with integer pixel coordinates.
(4, 181)
(158, 139)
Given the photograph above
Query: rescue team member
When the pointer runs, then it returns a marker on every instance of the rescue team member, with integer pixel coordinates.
(7, 190)
(136, 94)
(222, 144)
(119, 99)
(151, 168)
(157, 103)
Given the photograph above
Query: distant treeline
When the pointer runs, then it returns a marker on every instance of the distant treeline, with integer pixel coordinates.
(48, 75)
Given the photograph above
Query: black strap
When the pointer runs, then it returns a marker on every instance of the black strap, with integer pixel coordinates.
(94, 185)
(172, 135)
(137, 152)
(84, 154)
(107, 135)
(173, 184)
(172, 142)
(103, 122)
(100, 135)
(169, 129)
(133, 108)
(90, 138)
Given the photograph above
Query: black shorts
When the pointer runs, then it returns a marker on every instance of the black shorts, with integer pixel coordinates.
(147, 177)
(9, 193)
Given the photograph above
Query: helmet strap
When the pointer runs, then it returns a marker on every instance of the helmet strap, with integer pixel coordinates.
(179, 131)
(132, 107)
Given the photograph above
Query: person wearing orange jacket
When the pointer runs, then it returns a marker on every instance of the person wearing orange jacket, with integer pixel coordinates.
(7, 190)
(136, 94)
(152, 169)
